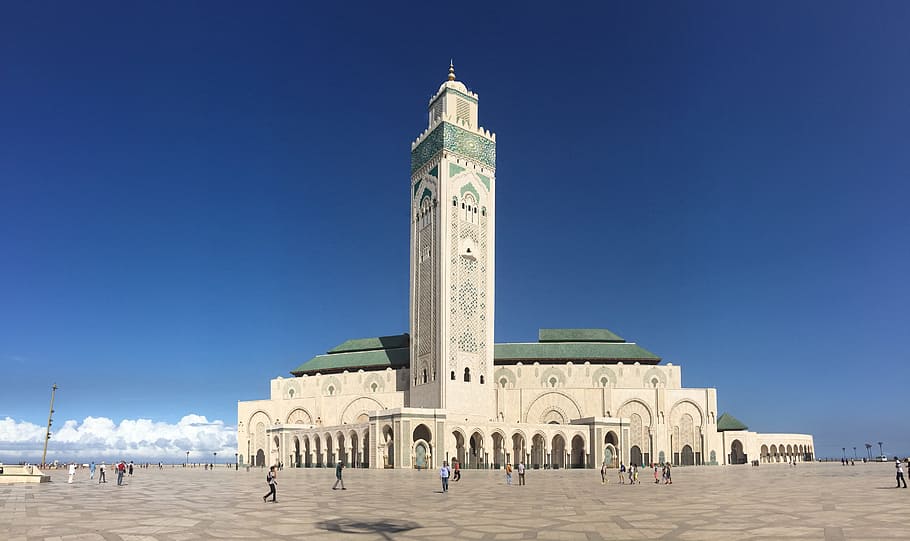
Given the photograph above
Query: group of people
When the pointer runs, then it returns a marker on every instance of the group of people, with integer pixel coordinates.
(661, 473)
(122, 468)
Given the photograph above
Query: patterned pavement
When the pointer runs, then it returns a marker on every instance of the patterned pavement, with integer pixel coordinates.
(771, 502)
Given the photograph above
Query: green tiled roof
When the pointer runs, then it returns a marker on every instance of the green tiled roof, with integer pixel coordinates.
(355, 360)
(577, 335)
(574, 351)
(562, 345)
(366, 344)
(729, 422)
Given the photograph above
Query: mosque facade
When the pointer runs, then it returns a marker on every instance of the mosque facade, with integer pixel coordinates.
(576, 398)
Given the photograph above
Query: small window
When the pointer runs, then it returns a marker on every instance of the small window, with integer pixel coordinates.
(424, 375)
(291, 393)
(654, 382)
(462, 205)
(553, 382)
(331, 390)
(454, 202)
(467, 374)
(453, 375)
(604, 381)
(481, 379)
(374, 387)
(503, 382)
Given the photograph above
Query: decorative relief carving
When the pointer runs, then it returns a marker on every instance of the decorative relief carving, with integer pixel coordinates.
(457, 141)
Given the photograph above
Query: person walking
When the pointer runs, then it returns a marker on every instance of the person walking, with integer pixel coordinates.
(131, 468)
(509, 474)
(456, 465)
(121, 469)
(101, 478)
(900, 473)
(338, 467)
(272, 479)
(72, 473)
(444, 476)
(521, 473)
(668, 480)
(603, 474)
(622, 473)
(91, 470)
(656, 478)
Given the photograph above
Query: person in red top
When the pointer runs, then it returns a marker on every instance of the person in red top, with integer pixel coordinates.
(457, 466)
(121, 468)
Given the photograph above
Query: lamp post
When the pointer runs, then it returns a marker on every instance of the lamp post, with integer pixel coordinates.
(236, 464)
(214, 458)
(854, 453)
(187, 463)
(844, 449)
(50, 420)
(880, 452)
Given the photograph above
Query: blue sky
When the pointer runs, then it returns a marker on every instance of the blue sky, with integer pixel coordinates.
(197, 197)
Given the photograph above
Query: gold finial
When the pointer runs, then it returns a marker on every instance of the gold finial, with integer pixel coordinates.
(451, 70)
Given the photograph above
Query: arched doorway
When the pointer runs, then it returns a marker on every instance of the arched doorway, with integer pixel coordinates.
(320, 461)
(260, 458)
(499, 454)
(296, 452)
(475, 459)
(687, 457)
(459, 447)
(329, 451)
(737, 456)
(558, 452)
(765, 454)
(388, 442)
(420, 456)
(355, 450)
(422, 438)
(578, 451)
(635, 455)
(537, 451)
(365, 457)
(610, 455)
(518, 449)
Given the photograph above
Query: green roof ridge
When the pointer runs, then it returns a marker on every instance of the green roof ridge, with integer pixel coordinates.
(374, 343)
(729, 422)
(578, 335)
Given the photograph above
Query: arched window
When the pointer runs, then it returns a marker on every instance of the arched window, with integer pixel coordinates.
(481, 379)
(453, 375)
(424, 375)
(467, 374)
(503, 382)
(604, 381)
(291, 393)
(374, 386)
(553, 381)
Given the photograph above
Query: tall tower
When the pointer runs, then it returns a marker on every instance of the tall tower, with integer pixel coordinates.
(453, 211)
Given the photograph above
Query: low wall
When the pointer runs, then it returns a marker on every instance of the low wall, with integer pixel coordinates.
(22, 474)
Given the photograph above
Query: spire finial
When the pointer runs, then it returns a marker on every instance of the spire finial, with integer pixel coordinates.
(451, 70)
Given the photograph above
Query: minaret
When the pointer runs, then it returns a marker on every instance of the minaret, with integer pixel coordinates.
(453, 210)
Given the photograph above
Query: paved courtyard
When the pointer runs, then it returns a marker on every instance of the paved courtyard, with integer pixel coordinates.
(811, 501)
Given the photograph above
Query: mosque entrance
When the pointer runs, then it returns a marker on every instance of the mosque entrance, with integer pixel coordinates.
(737, 456)
(687, 457)
(420, 456)
(635, 455)
(260, 458)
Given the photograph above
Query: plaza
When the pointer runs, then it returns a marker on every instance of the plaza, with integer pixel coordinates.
(822, 501)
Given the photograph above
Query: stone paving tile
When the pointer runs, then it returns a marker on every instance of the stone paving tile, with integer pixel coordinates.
(812, 501)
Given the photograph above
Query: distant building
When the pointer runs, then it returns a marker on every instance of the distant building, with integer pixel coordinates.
(575, 398)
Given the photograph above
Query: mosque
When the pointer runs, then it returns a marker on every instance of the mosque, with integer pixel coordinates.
(576, 398)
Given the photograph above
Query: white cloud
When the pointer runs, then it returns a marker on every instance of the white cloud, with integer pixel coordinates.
(99, 438)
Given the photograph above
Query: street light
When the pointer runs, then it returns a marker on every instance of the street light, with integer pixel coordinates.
(854, 453)
(880, 452)
(187, 463)
(214, 458)
(236, 464)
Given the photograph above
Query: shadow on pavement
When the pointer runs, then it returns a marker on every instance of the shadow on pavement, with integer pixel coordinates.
(383, 527)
